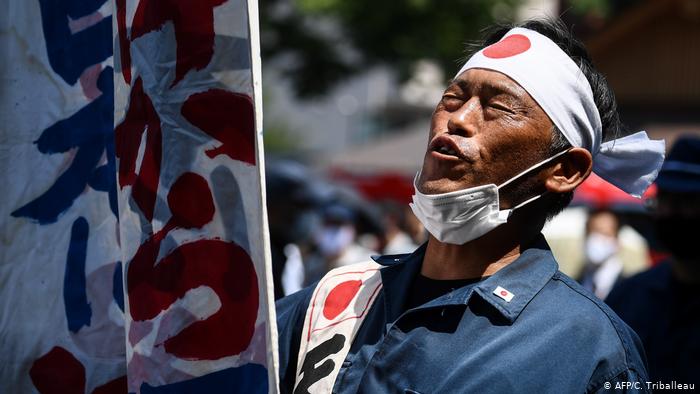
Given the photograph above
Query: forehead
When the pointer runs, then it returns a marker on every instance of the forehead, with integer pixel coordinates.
(485, 82)
(483, 79)
(603, 222)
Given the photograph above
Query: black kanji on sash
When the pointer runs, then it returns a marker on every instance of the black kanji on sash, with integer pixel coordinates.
(312, 373)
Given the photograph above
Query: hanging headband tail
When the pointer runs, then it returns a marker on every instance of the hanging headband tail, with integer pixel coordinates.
(630, 163)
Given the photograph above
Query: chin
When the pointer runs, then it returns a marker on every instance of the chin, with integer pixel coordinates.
(436, 181)
(440, 175)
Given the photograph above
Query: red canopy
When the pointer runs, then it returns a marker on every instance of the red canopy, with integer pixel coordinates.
(598, 193)
(378, 186)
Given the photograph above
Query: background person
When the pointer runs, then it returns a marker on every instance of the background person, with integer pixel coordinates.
(293, 206)
(663, 304)
(396, 239)
(602, 267)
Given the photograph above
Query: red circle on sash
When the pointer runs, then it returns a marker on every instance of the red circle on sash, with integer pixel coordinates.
(510, 46)
(340, 297)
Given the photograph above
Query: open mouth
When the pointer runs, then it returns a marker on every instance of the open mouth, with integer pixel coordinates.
(446, 151)
(445, 146)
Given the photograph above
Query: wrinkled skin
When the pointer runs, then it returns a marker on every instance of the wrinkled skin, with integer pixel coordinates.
(497, 128)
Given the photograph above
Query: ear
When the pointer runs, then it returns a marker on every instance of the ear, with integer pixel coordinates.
(569, 171)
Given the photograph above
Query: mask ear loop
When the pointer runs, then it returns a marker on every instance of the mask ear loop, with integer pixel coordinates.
(506, 213)
(506, 183)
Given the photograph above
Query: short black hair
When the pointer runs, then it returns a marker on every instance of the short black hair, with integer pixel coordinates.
(560, 34)
(602, 211)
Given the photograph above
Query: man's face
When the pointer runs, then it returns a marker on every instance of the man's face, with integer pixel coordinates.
(485, 129)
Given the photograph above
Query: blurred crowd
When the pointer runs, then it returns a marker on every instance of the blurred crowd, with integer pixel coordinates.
(639, 257)
(317, 224)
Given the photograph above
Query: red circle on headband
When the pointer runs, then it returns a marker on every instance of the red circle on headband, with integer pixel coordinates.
(510, 46)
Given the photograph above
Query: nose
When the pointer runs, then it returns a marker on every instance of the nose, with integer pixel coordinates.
(465, 120)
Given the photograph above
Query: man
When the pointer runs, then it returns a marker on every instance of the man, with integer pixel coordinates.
(663, 304)
(602, 267)
(481, 306)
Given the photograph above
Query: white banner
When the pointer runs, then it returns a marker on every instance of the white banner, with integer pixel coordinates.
(61, 299)
(200, 312)
(154, 189)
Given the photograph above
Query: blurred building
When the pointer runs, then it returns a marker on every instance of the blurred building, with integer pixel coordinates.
(650, 54)
(315, 129)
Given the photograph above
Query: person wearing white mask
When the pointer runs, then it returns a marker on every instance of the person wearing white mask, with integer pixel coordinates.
(602, 268)
(336, 242)
(481, 307)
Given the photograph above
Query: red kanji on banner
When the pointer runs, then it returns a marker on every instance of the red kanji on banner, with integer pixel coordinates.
(59, 372)
(140, 118)
(228, 117)
(222, 266)
(193, 21)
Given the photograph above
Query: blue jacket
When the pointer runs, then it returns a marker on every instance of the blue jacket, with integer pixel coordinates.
(551, 337)
(666, 315)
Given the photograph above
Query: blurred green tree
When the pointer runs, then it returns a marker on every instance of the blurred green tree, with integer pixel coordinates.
(321, 42)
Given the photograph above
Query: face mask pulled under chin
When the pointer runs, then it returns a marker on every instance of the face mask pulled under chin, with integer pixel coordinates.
(465, 215)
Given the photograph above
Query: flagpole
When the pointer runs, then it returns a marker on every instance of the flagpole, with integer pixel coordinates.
(256, 69)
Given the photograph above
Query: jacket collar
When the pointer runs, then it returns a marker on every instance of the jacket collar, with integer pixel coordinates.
(523, 279)
(397, 277)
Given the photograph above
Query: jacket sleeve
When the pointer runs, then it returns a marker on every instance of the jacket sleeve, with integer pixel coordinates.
(291, 311)
(632, 377)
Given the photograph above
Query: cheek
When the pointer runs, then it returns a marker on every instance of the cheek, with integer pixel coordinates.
(521, 134)
(510, 147)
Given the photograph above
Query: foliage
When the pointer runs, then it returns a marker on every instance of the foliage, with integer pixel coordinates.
(321, 42)
(597, 7)
(278, 138)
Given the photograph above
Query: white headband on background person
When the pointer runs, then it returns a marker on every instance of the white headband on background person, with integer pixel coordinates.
(557, 84)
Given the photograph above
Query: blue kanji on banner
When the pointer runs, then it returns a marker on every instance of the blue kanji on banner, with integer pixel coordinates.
(90, 130)
(71, 53)
(78, 310)
(78, 40)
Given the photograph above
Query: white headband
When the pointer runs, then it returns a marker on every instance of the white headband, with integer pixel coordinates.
(557, 84)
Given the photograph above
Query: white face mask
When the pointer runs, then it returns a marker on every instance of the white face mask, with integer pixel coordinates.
(332, 240)
(599, 248)
(464, 215)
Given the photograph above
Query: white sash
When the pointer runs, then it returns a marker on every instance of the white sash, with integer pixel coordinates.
(337, 309)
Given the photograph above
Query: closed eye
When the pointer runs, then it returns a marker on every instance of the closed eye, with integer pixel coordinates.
(501, 107)
(452, 102)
